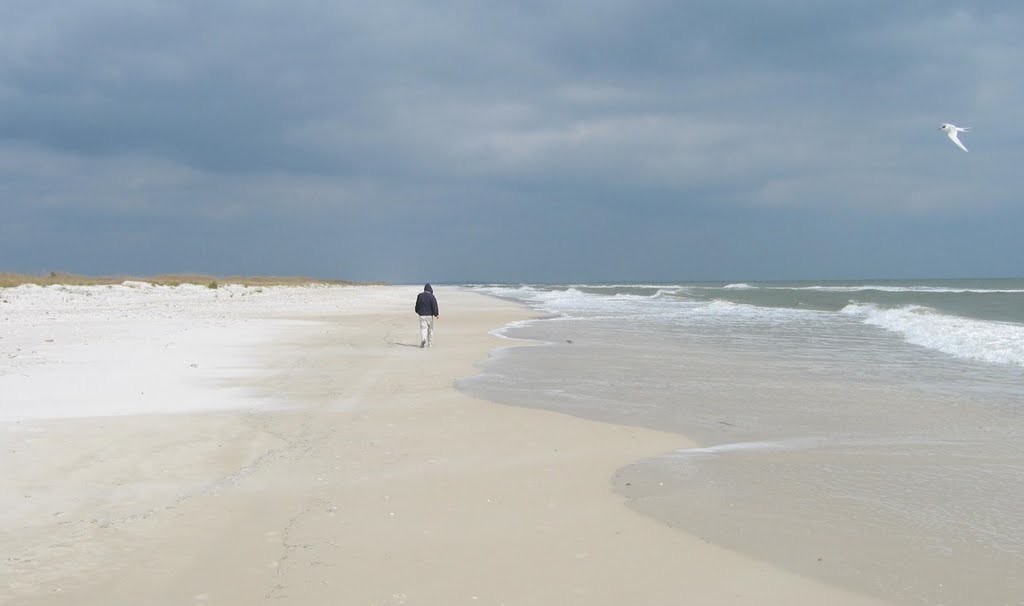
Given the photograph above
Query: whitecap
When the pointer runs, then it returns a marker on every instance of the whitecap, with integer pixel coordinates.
(967, 338)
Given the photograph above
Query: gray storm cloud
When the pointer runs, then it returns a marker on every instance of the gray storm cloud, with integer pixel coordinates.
(552, 141)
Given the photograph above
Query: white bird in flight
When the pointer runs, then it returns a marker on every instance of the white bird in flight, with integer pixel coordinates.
(951, 130)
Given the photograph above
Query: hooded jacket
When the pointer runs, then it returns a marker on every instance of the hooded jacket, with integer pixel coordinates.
(426, 304)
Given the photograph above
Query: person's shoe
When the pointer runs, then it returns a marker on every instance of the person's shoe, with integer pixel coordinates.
(423, 344)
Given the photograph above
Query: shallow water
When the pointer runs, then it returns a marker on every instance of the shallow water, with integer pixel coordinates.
(873, 443)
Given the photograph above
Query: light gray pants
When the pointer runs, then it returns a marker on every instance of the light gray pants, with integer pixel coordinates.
(427, 330)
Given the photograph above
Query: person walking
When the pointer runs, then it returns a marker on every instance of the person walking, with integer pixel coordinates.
(426, 309)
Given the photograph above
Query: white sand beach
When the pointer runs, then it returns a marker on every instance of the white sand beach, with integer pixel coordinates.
(294, 444)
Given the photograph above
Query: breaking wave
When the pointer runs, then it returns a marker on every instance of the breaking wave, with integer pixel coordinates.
(988, 341)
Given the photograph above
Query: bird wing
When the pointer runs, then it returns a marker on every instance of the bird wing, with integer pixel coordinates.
(954, 139)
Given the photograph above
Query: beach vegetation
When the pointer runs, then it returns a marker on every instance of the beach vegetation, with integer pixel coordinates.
(68, 279)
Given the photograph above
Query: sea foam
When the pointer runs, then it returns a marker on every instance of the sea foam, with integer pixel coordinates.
(997, 342)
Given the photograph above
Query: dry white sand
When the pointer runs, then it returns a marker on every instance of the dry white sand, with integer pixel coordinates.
(357, 474)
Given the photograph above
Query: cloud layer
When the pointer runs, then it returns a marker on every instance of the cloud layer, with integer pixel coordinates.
(546, 141)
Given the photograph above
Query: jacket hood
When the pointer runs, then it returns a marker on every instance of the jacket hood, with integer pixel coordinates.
(427, 288)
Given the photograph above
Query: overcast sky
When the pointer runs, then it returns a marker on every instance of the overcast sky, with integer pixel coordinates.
(453, 141)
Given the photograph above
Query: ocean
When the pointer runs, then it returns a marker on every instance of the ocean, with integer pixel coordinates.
(869, 434)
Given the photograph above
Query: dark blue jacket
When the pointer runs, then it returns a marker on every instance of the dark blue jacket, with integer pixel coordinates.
(426, 304)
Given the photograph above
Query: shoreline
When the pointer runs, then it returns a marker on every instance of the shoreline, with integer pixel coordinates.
(883, 466)
(379, 483)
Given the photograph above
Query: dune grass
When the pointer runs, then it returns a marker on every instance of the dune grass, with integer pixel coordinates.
(12, 279)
